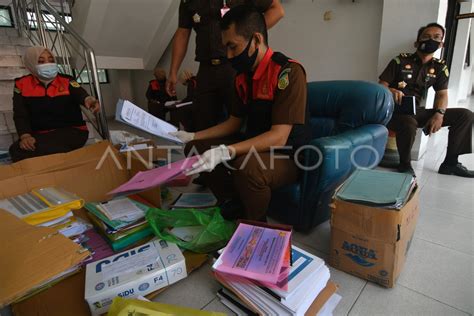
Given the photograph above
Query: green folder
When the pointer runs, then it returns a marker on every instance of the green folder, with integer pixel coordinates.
(377, 188)
(114, 224)
(131, 239)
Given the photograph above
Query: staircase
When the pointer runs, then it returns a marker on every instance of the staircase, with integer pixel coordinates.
(12, 48)
(41, 23)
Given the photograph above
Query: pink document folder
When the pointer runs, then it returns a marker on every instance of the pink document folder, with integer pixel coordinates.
(145, 180)
(256, 253)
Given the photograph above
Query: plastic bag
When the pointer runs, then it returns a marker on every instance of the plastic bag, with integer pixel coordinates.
(215, 233)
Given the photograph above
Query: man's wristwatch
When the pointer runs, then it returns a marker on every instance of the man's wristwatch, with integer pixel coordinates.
(440, 111)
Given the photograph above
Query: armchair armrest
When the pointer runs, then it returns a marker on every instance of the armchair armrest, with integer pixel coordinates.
(328, 161)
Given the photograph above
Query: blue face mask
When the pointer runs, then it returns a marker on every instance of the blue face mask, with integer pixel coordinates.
(47, 71)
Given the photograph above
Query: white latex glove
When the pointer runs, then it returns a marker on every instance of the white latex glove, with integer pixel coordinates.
(209, 160)
(183, 136)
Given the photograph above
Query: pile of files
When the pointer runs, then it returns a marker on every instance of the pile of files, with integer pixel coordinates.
(378, 188)
(260, 276)
(121, 221)
(33, 258)
(194, 200)
(49, 207)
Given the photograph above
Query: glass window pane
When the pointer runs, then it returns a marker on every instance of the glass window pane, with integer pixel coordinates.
(5, 18)
(84, 78)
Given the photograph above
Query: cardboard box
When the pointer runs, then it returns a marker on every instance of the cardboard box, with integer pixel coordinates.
(132, 273)
(370, 242)
(72, 290)
(90, 172)
(31, 257)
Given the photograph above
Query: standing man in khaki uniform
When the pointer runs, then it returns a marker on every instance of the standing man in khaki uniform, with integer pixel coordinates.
(271, 98)
(412, 75)
(215, 76)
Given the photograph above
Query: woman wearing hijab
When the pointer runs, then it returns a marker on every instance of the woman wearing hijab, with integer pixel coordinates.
(46, 108)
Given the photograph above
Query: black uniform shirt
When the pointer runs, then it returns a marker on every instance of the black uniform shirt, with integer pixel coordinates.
(37, 108)
(204, 17)
(407, 74)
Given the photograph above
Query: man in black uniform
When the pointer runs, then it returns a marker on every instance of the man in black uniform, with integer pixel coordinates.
(412, 75)
(215, 77)
(156, 94)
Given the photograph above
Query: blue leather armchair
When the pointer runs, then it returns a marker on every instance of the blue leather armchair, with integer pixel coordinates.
(347, 122)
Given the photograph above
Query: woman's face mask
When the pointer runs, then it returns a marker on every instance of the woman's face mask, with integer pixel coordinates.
(47, 71)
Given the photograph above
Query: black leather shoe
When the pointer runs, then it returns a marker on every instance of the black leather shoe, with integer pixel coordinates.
(231, 210)
(457, 170)
(406, 169)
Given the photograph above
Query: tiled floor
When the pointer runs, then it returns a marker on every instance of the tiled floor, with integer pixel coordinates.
(438, 274)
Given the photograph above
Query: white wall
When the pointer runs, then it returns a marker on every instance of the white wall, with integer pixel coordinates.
(401, 21)
(345, 47)
(323, 47)
(460, 77)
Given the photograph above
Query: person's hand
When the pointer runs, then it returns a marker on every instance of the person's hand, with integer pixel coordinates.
(183, 136)
(185, 76)
(397, 95)
(27, 142)
(171, 85)
(435, 123)
(209, 160)
(92, 104)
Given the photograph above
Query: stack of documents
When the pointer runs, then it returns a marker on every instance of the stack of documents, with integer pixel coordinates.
(49, 207)
(121, 221)
(194, 200)
(308, 290)
(378, 188)
(33, 258)
(130, 114)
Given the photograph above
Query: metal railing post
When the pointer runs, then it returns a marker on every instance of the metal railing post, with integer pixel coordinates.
(39, 21)
(17, 18)
(102, 117)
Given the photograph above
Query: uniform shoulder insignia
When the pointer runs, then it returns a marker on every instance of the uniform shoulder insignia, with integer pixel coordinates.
(74, 84)
(284, 79)
(16, 90)
(446, 71)
(404, 55)
(397, 60)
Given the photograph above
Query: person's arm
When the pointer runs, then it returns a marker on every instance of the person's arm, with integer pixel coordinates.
(149, 94)
(21, 115)
(277, 136)
(274, 13)
(226, 128)
(441, 99)
(435, 123)
(397, 94)
(388, 76)
(81, 97)
(179, 48)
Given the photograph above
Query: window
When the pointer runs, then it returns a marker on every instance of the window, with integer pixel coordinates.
(84, 76)
(6, 17)
(48, 20)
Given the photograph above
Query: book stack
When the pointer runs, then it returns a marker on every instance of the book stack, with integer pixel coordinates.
(49, 207)
(121, 221)
(377, 188)
(247, 270)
